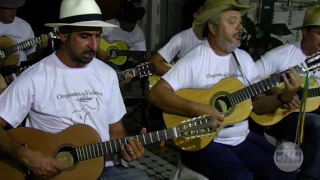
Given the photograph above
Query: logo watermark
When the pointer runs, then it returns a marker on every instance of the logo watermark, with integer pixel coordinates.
(288, 157)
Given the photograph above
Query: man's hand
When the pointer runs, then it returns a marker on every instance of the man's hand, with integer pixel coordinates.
(134, 149)
(43, 166)
(3, 84)
(294, 104)
(203, 109)
(127, 78)
(291, 86)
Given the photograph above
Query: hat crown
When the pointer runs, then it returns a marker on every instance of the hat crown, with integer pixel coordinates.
(70, 8)
(209, 4)
(312, 16)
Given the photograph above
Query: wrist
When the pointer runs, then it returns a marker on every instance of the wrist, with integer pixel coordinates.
(283, 99)
(22, 153)
(195, 109)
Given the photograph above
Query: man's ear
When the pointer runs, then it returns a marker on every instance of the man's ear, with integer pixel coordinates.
(212, 28)
(63, 37)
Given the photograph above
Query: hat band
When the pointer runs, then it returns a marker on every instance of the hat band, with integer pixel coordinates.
(80, 18)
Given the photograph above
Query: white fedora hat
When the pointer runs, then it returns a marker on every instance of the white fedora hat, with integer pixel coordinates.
(80, 13)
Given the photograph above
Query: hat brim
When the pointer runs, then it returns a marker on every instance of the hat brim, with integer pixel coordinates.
(84, 24)
(13, 5)
(200, 22)
(300, 27)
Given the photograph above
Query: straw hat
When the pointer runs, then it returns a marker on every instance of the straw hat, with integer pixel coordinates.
(12, 4)
(311, 17)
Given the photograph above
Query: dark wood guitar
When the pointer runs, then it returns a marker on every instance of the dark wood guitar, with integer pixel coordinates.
(8, 49)
(142, 70)
(80, 151)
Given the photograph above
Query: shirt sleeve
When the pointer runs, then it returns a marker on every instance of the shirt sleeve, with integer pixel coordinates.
(117, 108)
(269, 63)
(171, 49)
(182, 75)
(16, 100)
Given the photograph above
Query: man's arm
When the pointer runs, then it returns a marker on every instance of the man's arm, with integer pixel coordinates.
(163, 96)
(7, 146)
(117, 130)
(264, 104)
(159, 63)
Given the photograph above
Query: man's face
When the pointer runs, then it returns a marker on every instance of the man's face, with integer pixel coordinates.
(82, 44)
(313, 38)
(229, 30)
(7, 15)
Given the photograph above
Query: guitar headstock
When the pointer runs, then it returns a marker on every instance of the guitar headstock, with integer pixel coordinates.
(144, 69)
(313, 62)
(53, 34)
(196, 127)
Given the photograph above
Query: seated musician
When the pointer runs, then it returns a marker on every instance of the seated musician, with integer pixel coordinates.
(129, 32)
(56, 91)
(236, 152)
(16, 28)
(280, 59)
(181, 43)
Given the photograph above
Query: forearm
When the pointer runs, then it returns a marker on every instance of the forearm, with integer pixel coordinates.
(9, 147)
(169, 102)
(266, 104)
(161, 68)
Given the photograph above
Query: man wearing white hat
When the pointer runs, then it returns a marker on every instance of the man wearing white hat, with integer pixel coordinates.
(69, 87)
(280, 59)
(14, 27)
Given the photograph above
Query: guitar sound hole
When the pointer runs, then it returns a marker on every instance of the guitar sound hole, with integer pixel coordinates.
(67, 156)
(222, 104)
(113, 53)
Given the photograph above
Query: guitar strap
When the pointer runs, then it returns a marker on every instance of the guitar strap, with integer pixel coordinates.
(240, 68)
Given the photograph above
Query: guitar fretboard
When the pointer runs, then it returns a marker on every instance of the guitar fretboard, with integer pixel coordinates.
(121, 74)
(257, 88)
(23, 45)
(113, 146)
(133, 53)
(314, 92)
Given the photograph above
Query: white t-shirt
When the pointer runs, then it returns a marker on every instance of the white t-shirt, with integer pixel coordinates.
(179, 45)
(201, 68)
(19, 30)
(281, 59)
(134, 39)
(56, 97)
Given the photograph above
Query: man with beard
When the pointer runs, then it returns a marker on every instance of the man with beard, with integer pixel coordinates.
(280, 59)
(235, 152)
(69, 87)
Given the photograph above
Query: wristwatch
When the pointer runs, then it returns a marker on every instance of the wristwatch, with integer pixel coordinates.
(279, 98)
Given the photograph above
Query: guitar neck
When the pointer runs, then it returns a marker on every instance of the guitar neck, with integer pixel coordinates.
(134, 53)
(121, 74)
(314, 92)
(113, 146)
(23, 45)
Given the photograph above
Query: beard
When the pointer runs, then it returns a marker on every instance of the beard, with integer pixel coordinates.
(82, 58)
(226, 44)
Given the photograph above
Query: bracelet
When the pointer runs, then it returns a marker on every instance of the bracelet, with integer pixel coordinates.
(279, 98)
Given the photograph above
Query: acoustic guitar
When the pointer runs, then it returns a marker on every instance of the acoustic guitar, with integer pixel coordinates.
(80, 151)
(232, 98)
(312, 103)
(119, 51)
(8, 49)
(142, 70)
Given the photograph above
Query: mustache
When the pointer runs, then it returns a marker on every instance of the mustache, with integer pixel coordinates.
(238, 33)
(88, 51)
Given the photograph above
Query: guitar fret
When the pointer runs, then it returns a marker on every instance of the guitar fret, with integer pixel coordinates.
(106, 147)
(144, 139)
(101, 148)
(166, 135)
(151, 138)
(94, 152)
(115, 145)
(158, 135)
(111, 148)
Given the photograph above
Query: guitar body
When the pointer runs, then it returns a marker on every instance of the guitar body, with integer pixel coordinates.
(111, 48)
(237, 113)
(54, 144)
(280, 113)
(154, 78)
(11, 59)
